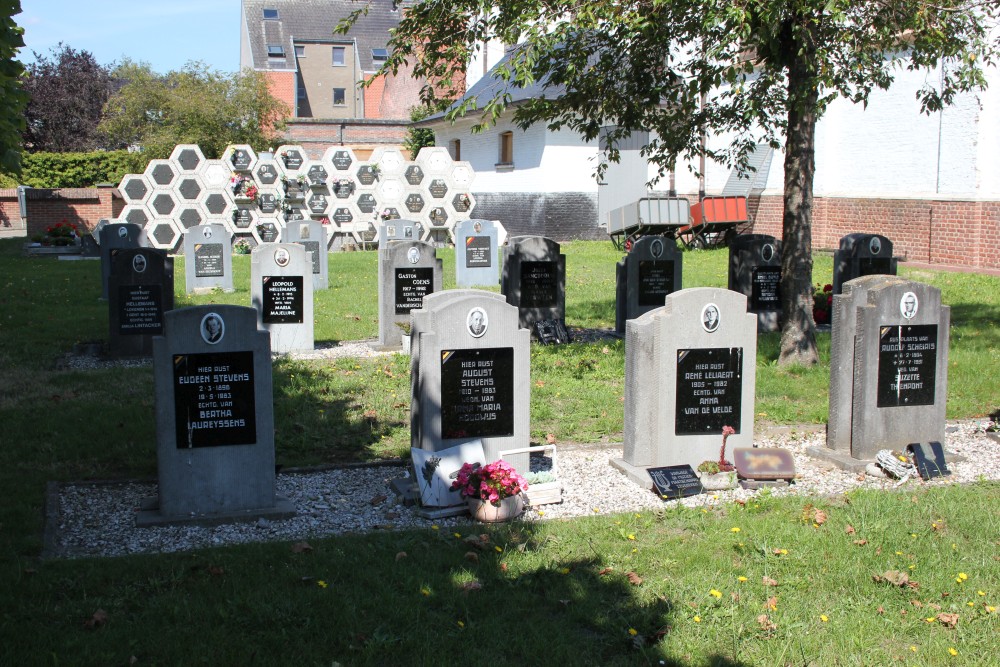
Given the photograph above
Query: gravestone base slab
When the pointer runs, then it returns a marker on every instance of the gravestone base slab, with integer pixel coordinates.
(149, 515)
(847, 462)
(635, 473)
(209, 290)
(442, 512)
(754, 484)
(378, 347)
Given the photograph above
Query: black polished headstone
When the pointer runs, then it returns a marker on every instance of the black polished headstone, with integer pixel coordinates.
(907, 365)
(214, 403)
(709, 390)
(477, 393)
(141, 290)
(862, 255)
(412, 285)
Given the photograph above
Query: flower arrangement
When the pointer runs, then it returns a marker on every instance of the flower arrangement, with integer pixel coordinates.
(242, 186)
(491, 482)
(822, 304)
(388, 214)
(722, 465)
(59, 234)
(242, 247)
(464, 199)
(324, 220)
(299, 181)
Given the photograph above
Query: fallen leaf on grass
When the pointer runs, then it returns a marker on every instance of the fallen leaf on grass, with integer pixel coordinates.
(766, 624)
(917, 603)
(503, 567)
(895, 578)
(768, 581)
(400, 556)
(301, 547)
(472, 556)
(99, 618)
(849, 529)
(772, 603)
(481, 542)
(540, 383)
(607, 570)
(370, 414)
(819, 517)
(861, 543)
(880, 610)
(216, 571)
(470, 586)
(634, 578)
(948, 620)
(550, 439)
(378, 500)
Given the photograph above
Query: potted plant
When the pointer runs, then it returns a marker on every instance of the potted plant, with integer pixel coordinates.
(721, 474)
(493, 491)
(822, 304)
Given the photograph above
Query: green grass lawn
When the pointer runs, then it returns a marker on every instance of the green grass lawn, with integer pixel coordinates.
(550, 593)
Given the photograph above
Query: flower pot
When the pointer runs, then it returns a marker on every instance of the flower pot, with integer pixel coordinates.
(719, 481)
(510, 508)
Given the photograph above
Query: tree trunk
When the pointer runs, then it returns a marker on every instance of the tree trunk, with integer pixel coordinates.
(798, 331)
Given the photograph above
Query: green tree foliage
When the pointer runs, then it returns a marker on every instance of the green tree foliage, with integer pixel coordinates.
(13, 99)
(195, 105)
(68, 90)
(759, 71)
(79, 170)
(418, 137)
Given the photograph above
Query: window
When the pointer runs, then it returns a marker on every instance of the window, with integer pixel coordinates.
(301, 92)
(455, 149)
(270, 14)
(507, 148)
(300, 51)
(340, 97)
(275, 51)
(339, 56)
(379, 56)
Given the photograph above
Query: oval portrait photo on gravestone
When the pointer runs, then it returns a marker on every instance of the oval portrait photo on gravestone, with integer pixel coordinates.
(139, 263)
(413, 254)
(656, 248)
(281, 257)
(908, 305)
(875, 245)
(206, 233)
(477, 322)
(213, 328)
(122, 232)
(710, 317)
(767, 252)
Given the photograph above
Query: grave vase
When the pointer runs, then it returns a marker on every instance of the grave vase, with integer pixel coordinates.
(720, 481)
(510, 508)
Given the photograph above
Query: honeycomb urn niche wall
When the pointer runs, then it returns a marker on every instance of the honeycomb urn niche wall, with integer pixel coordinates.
(255, 195)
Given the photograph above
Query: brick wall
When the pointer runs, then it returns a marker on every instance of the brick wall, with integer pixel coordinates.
(83, 207)
(282, 86)
(361, 135)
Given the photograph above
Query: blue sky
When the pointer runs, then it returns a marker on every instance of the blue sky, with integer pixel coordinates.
(164, 33)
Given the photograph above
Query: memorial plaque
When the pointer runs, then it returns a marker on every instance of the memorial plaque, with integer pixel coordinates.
(341, 160)
(765, 289)
(209, 260)
(282, 298)
(539, 284)
(268, 232)
(366, 203)
(671, 482)
(763, 463)
(929, 459)
(478, 252)
(477, 393)
(317, 175)
(414, 174)
(460, 202)
(438, 188)
(267, 202)
(412, 285)
(293, 214)
(242, 217)
(414, 203)
(292, 160)
(240, 159)
(656, 281)
(342, 216)
(367, 174)
(267, 174)
(709, 390)
(317, 204)
(907, 365)
(141, 310)
(214, 399)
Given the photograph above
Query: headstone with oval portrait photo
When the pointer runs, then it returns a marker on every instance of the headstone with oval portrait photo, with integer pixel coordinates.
(281, 290)
(888, 369)
(408, 272)
(645, 276)
(311, 235)
(208, 254)
(121, 236)
(533, 279)
(477, 258)
(690, 370)
(214, 420)
(755, 271)
(470, 375)
(140, 291)
(862, 255)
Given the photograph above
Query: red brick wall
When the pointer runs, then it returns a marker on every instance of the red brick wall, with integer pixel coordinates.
(362, 135)
(83, 207)
(282, 85)
(963, 233)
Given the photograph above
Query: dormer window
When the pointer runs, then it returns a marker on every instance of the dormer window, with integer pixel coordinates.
(275, 51)
(380, 55)
(270, 14)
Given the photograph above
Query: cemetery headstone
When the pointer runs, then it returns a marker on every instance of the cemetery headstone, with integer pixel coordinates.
(311, 235)
(888, 369)
(862, 255)
(755, 271)
(408, 272)
(117, 235)
(140, 290)
(690, 370)
(534, 279)
(477, 259)
(281, 291)
(470, 375)
(208, 250)
(644, 278)
(214, 419)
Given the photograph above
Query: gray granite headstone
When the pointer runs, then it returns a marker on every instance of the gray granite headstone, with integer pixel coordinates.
(477, 259)
(644, 278)
(407, 272)
(534, 279)
(755, 271)
(470, 375)
(140, 292)
(862, 255)
(311, 235)
(117, 235)
(888, 368)
(281, 291)
(690, 370)
(208, 259)
(214, 419)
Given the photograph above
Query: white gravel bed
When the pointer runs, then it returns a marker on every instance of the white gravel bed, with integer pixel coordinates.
(88, 519)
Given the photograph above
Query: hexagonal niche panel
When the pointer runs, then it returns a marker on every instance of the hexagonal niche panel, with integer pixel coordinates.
(316, 174)
(435, 160)
(267, 172)
(163, 234)
(162, 203)
(438, 188)
(240, 157)
(215, 174)
(268, 202)
(292, 158)
(340, 158)
(188, 157)
(189, 188)
(438, 216)
(414, 202)
(217, 204)
(267, 230)
(367, 175)
(243, 217)
(136, 214)
(342, 188)
(389, 160)
(161, 173)
(390, 190)
(344, 216)
(413, 175)
(317, 203)
(462, 175)
(462, 202)
(366, 203)
(189, 216)
(294, 212)
(134, 188)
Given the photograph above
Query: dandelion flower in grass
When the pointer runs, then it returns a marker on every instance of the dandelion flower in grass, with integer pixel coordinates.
(929, 619)
(970, 603)
(963, 576)
(734, 529)
(990, 609)
(633, 631)
(697, 619)
(631, 536)
(715, 594)
(952, 651)
(741, 579)
(461, 624)
(981, 593)
(824, 618)
(435, 527)
(913, 648)
(321, 583)
(541, 513)
(458, 536)
(425, 591)
(564, 570)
